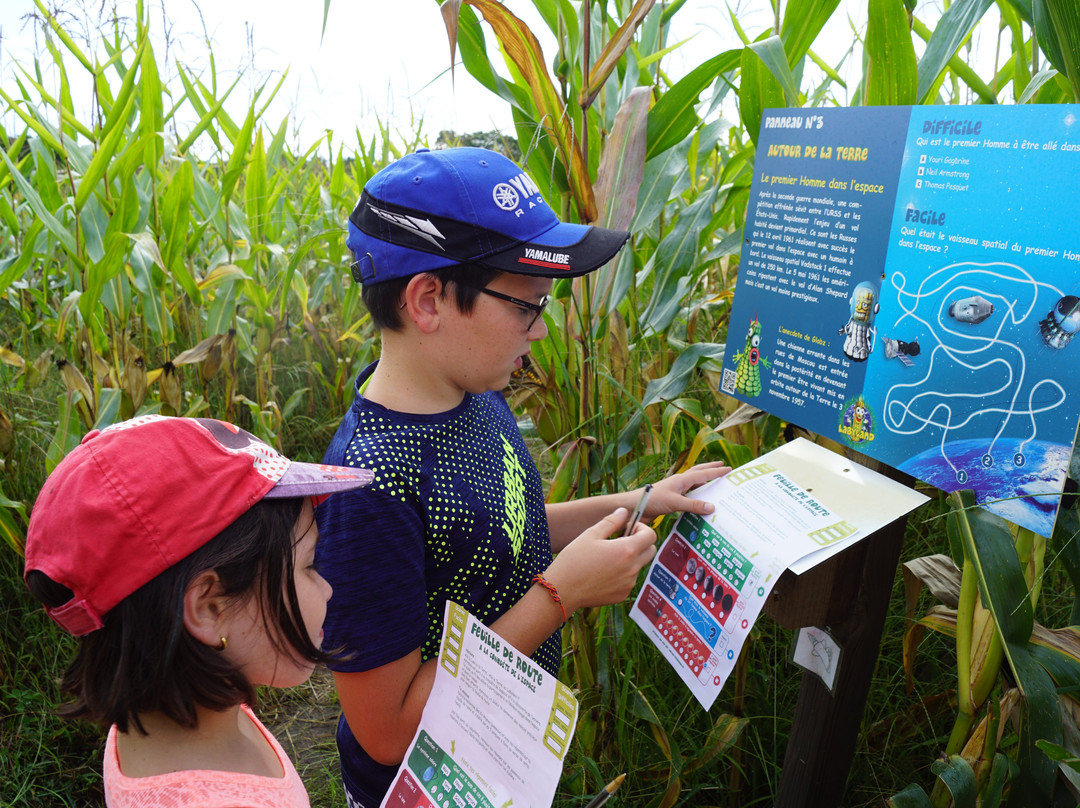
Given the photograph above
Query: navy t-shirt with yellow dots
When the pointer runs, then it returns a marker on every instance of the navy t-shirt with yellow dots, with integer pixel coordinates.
(455, 512)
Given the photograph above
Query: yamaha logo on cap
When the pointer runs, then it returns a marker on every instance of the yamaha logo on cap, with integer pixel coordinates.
(509, 195)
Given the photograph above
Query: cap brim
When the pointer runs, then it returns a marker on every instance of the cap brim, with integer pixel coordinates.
(313, 480)
(566, 250)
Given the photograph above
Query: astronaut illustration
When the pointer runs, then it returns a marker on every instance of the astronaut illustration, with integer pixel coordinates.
(859, 330)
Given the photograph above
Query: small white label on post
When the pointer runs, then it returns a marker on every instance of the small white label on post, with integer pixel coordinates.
(816, 651)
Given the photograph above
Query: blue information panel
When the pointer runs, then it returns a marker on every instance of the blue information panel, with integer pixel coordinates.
(910, 286)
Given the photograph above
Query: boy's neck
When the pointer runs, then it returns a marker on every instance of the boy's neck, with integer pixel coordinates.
(403, 382)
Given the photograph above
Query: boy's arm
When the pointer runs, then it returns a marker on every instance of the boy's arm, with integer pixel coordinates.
(383, 705)
(566, 520)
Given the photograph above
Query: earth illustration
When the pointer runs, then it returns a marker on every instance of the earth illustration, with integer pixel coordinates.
(1022, 487)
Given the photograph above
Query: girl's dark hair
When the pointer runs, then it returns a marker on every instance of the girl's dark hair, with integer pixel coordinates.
(383, 300)
(143, 660)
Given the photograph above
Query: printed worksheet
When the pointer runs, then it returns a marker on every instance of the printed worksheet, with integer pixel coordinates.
(495, 729)
(709, 581)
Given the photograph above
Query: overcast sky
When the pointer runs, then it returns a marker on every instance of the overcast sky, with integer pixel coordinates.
(380, 60)
(386, 59)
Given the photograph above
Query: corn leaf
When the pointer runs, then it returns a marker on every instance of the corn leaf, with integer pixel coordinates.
(63, 36)
(42, 129)
(912, 796)
(613, 51)
(657, 183)
(803, 21)
(468, 34)
(989, 549)
(672, 118)
(772, 55)
(175, 211)
(240, 146)
(758, 90)
(675, 257)
(952, 29)
(1065, 29)
(104, 154)
(959, 778)
(52, 224)
(67, 434)
(207, 117)
(255, 191)
(13, 530)
(892, 72)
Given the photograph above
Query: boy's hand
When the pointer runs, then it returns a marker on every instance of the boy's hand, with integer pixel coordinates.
(669, 494)
(595, 570)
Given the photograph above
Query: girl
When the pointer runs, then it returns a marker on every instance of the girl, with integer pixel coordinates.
(181, 551)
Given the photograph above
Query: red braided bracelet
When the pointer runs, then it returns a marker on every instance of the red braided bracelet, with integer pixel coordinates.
(550, 587)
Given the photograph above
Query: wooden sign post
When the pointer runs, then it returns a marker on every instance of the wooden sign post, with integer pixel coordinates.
(849, 594)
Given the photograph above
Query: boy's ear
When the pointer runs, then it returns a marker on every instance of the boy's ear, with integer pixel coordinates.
(424, 300)
(204, 608)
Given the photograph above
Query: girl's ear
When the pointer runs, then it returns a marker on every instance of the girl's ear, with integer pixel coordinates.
(204, 608)
(423, 301)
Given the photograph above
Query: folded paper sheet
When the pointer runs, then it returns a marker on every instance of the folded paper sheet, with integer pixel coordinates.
(495, 729)
(793, 507)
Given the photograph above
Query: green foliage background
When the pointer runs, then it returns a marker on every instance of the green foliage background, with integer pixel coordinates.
(203, 272)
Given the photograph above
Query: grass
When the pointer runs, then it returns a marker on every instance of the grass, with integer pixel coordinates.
(47, 761)
(51, 762)
(304, 719)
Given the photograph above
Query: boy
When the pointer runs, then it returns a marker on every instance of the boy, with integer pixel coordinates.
(456, 251)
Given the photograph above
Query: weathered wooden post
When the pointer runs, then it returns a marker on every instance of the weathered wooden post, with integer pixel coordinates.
(849, 594)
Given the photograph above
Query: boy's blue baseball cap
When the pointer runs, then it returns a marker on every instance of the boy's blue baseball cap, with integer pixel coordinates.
(434, 209)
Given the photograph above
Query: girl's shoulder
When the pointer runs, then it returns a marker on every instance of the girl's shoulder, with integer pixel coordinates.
(204, 788)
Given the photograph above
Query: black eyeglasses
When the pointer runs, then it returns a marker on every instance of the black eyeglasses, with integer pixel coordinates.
(537, 309)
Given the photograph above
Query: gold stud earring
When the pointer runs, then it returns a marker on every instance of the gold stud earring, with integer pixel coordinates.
(223, 644)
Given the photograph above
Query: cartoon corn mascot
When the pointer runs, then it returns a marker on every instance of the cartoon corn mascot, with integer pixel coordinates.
(747, 372)
(857, 423)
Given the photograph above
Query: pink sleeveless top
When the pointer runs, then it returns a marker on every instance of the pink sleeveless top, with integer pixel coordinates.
(206, 789)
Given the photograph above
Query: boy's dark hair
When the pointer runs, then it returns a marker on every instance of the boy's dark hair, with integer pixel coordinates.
(143, 660)
(383, 300)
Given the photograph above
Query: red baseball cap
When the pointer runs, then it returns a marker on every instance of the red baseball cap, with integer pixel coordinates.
(137, 497)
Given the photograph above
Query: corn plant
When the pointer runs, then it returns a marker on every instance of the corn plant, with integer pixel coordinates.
(132, 254)
(145, 268)
(679, 184)
(989, 603)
